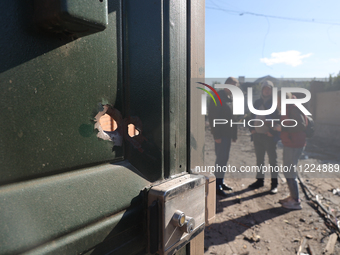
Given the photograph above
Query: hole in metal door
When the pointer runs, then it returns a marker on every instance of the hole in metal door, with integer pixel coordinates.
(132, 130)
(107, 123)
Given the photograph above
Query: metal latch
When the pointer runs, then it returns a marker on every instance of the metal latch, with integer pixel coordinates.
(176, 213)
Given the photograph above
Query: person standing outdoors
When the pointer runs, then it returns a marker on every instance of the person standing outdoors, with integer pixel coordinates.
(293, 139)
(223, 134)
(265, 137)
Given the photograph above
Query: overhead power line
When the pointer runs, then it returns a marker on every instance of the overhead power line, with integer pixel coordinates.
(240, 13)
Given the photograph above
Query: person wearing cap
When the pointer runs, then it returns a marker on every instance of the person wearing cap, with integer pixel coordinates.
(265, 137)
(223, 134)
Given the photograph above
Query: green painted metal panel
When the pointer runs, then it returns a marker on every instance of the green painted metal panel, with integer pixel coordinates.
(37, 211)
(87, 10)
(57, 194)
(50, 88)
(103, 237)
(74, 17)
(143, 68)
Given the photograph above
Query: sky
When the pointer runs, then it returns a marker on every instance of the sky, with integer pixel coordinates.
(284, 39)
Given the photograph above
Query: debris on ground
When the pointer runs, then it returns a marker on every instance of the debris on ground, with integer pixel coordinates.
(253, 222)
(336, 191)
(331, 243)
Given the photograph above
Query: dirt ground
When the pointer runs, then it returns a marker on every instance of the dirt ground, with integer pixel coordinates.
(253, 222)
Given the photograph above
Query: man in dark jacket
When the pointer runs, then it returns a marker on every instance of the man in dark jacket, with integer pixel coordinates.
(265, 137)
(223, 134)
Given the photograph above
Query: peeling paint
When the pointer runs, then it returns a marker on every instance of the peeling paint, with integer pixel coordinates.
(101, 134)
(121, 133)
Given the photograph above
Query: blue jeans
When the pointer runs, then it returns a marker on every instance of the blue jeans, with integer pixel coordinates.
(290, 159)
(222, 151)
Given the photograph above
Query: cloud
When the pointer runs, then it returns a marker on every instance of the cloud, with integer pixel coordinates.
(291, 58)
(335, 60)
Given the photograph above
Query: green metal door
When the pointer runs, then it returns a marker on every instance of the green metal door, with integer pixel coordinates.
(63, 190)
